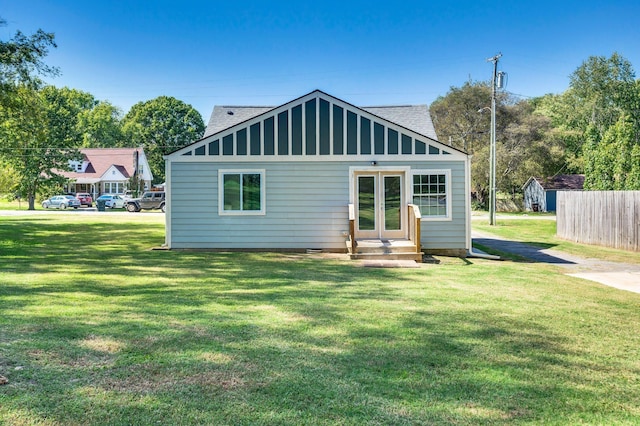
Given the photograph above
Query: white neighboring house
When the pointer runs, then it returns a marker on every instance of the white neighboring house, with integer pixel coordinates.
(108, 171)
(319, 173)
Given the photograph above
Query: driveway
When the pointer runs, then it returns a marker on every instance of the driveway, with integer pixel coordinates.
(623, 276)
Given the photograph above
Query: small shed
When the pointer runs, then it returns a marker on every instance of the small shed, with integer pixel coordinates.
(540, 193)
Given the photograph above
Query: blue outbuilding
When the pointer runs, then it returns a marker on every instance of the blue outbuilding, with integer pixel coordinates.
(540, 193)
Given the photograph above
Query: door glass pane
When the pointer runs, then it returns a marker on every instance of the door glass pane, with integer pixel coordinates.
(366, 203)
(392, 205)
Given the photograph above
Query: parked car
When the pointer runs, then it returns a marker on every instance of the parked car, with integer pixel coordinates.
(61, 202)
(112, 201)
(149, 200)
(85, 199)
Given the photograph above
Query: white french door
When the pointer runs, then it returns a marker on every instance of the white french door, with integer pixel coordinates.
(379, 202)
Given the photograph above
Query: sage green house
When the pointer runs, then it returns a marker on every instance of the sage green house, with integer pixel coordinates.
(319, 173)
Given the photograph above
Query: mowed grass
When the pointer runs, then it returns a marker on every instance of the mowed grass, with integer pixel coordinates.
(96, 329)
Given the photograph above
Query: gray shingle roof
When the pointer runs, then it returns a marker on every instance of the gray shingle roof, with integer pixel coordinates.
(413, 117)
(563, 182)
(223, 117)
(559, 182)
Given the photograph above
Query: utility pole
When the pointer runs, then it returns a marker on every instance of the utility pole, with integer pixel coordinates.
(492, 157)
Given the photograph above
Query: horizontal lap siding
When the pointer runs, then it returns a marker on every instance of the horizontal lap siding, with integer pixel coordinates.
(306, 207)
(447, 234)
(302, 210)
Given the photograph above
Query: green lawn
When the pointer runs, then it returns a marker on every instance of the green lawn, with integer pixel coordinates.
(96, 328)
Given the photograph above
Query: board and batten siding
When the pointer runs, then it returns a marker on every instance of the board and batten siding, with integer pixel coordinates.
(306, 207)
(534, 194)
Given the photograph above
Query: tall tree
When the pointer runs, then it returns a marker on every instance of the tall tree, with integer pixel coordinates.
(161, 126)
(40, 132)
(613, 163)
(100, 126)
(599, 89)
(27, 145)
(456, 118)
(527, 147)
(65, 107)
(462, 118)
(24, 133)
(21, 61)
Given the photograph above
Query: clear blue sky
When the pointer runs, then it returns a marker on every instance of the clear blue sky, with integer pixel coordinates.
(208, 53)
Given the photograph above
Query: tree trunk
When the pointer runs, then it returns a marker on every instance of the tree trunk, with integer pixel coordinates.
(32, 201)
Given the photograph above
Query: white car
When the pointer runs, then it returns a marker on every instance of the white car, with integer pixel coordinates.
(112, 201)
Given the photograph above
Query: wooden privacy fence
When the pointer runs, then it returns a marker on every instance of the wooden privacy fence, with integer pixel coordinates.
(605, 218)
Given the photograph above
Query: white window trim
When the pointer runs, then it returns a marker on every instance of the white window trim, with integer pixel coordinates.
(263, 205)
(447, 173)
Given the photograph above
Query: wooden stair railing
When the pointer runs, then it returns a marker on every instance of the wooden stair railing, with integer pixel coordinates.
(352, 228)
(414, 226)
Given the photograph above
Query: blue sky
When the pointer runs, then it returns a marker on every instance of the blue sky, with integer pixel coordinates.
(208, 53)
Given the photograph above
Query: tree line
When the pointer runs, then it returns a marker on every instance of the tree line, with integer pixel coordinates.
(593, 128)
(42, 127)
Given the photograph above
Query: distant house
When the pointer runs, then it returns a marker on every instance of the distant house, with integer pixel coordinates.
(319, 173)
(540, 194)
(107, 170)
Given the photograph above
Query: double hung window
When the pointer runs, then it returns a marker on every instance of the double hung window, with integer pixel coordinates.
(431, 192)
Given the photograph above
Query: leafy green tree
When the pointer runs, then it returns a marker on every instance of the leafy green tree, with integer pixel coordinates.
(25, 146)
(599, 91)
(21, 61)
(456, 118)
(29, 146)
(526, 147)
(8, 179)
(101, 127)
(614, 162)
(560, 110)
(40, 133)
(462, 118)
(160, 126)
(64, 108)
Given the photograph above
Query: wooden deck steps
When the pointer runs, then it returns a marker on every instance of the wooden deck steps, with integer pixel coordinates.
(374, 249)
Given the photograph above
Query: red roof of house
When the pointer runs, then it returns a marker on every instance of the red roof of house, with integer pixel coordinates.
(101, 159)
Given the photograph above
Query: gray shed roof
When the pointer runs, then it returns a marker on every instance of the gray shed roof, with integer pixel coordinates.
(413, 117)
(559, 182)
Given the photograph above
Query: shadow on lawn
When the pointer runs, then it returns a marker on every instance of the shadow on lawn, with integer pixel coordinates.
(146, 337)
(527, 251)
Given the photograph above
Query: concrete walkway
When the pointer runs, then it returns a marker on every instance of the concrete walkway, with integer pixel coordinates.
(623, 276)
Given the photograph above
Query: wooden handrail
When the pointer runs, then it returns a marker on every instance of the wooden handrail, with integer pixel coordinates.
(414, 225)
(352, 228)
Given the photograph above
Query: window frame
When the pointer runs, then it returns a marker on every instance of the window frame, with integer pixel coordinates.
(447, 177)
(241, 172)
